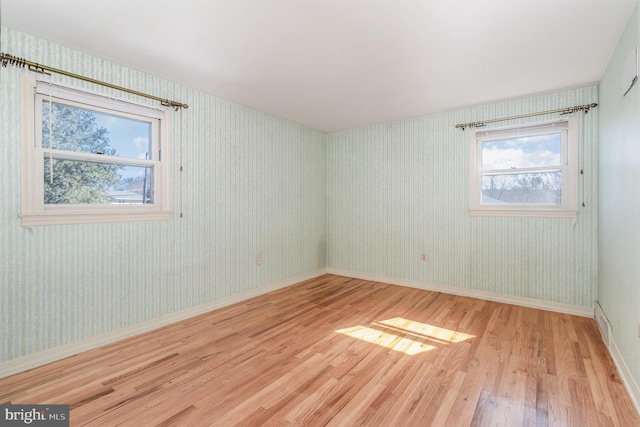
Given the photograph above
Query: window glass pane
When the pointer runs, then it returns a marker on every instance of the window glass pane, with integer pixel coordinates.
(81, 130)
(522, 152)
(80, 182)
(525, 188)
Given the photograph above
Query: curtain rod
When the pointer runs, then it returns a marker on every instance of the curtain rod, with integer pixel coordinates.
(569, 110)
(42, 69)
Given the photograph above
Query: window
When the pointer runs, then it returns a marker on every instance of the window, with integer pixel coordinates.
(88, 158)
(525, 171)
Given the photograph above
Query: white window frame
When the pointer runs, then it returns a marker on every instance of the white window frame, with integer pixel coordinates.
(33, 209)
(568, 168)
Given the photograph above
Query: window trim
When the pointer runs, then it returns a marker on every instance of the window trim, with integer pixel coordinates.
(569, 170)
(33, 209)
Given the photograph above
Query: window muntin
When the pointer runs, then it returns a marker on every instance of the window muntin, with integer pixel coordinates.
(524, 171)
(102, 161)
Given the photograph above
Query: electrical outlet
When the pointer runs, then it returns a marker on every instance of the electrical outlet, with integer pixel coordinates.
(423, 258)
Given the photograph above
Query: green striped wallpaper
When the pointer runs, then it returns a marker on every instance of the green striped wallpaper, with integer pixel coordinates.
(398, 190)
(619, 214)
(367, 200)
(253, 184)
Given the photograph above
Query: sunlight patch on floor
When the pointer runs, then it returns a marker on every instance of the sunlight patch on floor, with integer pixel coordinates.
(404, 335)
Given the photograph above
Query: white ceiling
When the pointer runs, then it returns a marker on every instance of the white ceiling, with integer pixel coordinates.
(340, 64)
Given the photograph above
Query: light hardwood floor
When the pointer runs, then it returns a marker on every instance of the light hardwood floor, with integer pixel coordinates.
(340, 351)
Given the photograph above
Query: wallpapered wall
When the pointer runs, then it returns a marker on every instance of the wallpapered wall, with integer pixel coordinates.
(253, 184)
(619, 214)
(398, 190)
(368, 200)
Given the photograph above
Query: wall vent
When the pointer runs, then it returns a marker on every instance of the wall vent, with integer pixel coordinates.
(604, 326)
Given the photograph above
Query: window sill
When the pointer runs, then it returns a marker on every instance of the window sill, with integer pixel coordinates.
(65, 218)
(531, 213)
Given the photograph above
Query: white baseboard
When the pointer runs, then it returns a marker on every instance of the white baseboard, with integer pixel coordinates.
(42, 358)
(625, 374)
(604, 326)
(471, 293)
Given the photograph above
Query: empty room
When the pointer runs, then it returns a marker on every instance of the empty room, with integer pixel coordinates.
(309, 213)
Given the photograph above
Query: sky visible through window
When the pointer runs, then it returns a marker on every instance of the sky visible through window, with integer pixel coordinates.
(522, 152)
(130, 138)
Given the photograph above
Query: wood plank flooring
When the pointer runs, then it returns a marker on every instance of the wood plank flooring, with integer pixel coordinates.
(337, 351)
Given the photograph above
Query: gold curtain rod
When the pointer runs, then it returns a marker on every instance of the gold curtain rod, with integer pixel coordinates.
(569, 110)
(42, 69)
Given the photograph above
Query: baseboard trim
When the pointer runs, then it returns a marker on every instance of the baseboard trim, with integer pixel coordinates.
(604, 326)
(625, 374)
(42, 358)
(471, 293)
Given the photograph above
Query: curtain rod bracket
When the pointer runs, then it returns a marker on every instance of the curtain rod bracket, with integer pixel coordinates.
(38, 69)
(21, 62)
(175, 105)
(463, 126)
